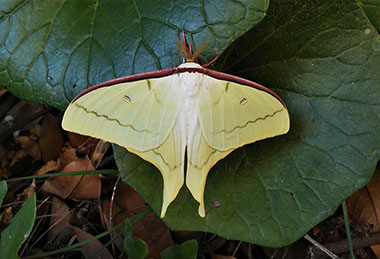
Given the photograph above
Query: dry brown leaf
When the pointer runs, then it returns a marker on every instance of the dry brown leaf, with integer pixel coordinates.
(58, 220)
(65, 186)
(34, 151)
(115, 211)
(127, 198)
(82, 164)
(68, 156)
(159, 236)
(100, 149)
(51, 140)
(25, 141)
(3, 91)
(61, 186)
(17, 156)
(363, 207)
(27, 192)
(22, 112)
(76, 140)
(36, 130)
(10, 154)
(89, 187)
(4, 162)
(89, 249)
(6, 216)
(49, 167)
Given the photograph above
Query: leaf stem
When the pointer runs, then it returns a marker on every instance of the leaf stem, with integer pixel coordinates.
(348, 233)
(107, 171)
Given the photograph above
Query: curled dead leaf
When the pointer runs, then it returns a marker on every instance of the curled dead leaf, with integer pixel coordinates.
(75, 186)
(363, 207)
(159, 236)
(51, 140)
(49, 167)
(59, 219)
(127, 198)
(92, 249)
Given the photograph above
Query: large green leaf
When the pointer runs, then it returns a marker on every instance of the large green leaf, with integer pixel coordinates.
(52, 50)
(322, 57)
(372, 10)
(16, 233)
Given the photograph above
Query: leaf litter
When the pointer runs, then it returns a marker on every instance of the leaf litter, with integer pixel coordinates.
(77, 207)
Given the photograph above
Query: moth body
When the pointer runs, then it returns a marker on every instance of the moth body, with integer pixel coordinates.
(189, 84)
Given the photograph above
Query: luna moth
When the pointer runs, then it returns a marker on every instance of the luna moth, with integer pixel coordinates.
(189, 110)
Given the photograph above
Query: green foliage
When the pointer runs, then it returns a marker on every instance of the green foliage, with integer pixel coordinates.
(320, 56)
(186, 250)
(16, 233)
(372, 10)
(134, 247)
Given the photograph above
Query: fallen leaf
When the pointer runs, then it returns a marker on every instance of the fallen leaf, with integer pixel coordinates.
(23, 111)
(68, 156)
(25, 141)
(17, 156)
(76, 140)
(363, 207)
(51, 140)
(27, 192)
(159, 236)
(9, 155)
(115, 211)
(59, 219)
(61, 186)
(75, 186)
(89, 187)
(34, 151)
(99, 151)
(49, 167)
(92, 249)
(4, 162)
(36, 130)
(127, 198)
(6, 216)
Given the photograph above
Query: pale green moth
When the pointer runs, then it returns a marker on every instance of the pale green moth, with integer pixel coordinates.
(164, 114)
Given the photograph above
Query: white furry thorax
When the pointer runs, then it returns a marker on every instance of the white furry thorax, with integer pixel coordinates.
(190, 84)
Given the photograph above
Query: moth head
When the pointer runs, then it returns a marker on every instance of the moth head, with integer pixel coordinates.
(187, 52)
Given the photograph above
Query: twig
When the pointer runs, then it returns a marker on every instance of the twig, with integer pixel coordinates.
(319, 246)
(111, 210)
(30, 119)
(357, 242)
(348, 232)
